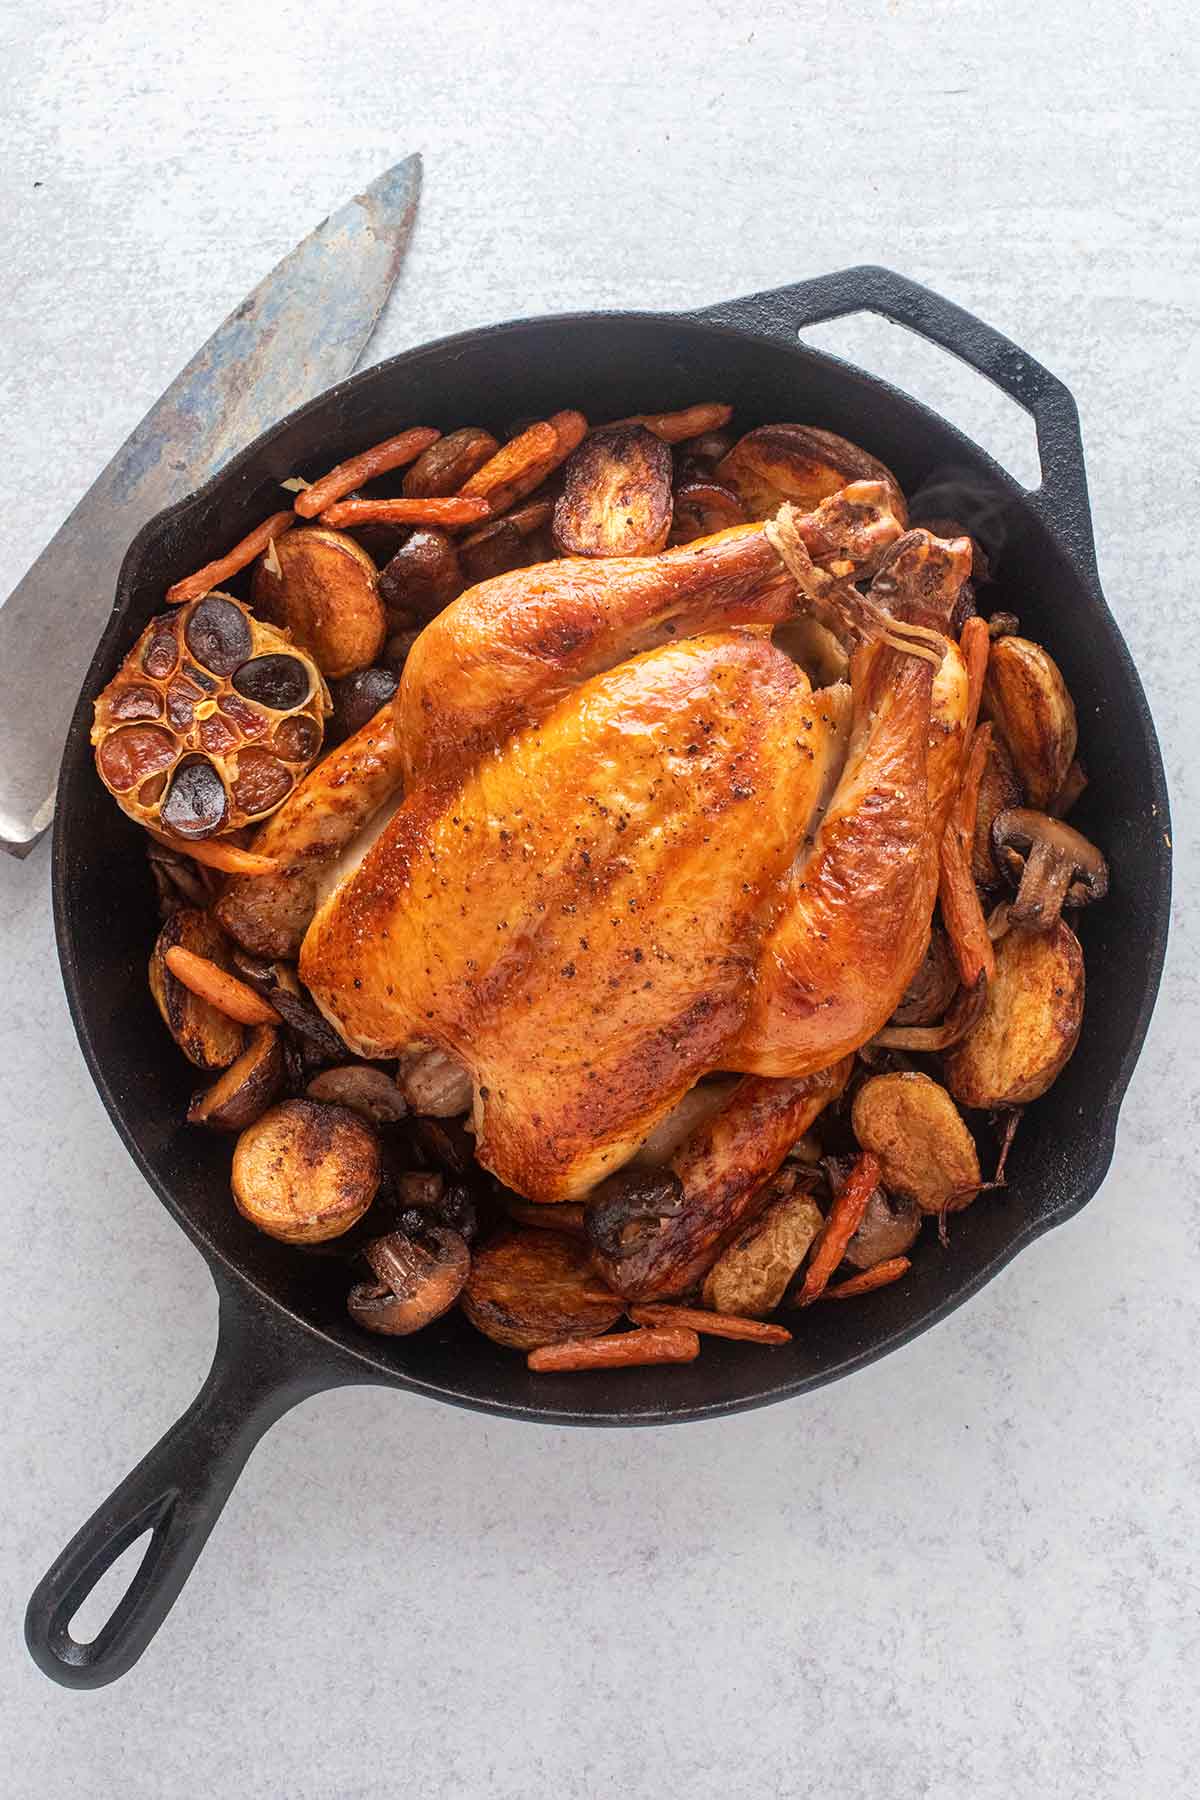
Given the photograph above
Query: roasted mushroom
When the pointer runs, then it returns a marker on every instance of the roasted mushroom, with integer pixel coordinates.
(424, 575)
(444, 466)
(305, 1171)
(248, 1086)
(357, 698)
(419, 1275)
(1054, 864)
(367, 1091)
(210, 721)
(889, 1227)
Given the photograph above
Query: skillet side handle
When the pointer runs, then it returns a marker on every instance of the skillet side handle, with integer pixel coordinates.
(1062, 498)
(259, 1372)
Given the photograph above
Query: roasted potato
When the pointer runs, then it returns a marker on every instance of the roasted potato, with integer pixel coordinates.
(775, 463)
(323, 588)
(207, 1037)
(444, 466)
(924, 1149)
(616, 498)
(1030, 1024)
(305, 1171)
(537, 1287)
(999, 790)
(752, 1275)
(1026, 698)
(248, 1086)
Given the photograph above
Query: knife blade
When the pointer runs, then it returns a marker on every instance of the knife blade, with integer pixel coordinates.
(301, 330)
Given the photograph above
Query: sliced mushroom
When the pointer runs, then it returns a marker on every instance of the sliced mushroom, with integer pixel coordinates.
(418, 1277)
(279, 983)
(368, 1092)
(435, 1083)
(629, 1206)
(616, 498)
(444, 467)
(1054, 864)
(703, 506)
(248, 1086)
(323, 588)
(924, 1149)
(889, 1228)
(305, 1171)
(537, 1287)
(1030, 1025)
(208, 1037)
(1026, 698)
(932, 988)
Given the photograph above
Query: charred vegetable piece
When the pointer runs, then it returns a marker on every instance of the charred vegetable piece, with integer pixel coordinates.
(246, 1089)
(616, 498)
(418, 1277)
(537, 1287)
(841, 1222)
(229, 715)
(322, 587)
(703, 507)
(924, 1149)
(1027, 699)
(710, 1324)
(524, 463)
(305, 1171)
(221, 989)
(932, 988)
(1030, 1024)
(880, 1274)
(689, 422)
(205, 580)
(799, 463)
(623, 1350)
(357, 698)
(209, 1038)
(752, 1275)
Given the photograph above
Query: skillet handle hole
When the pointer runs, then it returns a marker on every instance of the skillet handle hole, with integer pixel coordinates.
(101, 1602)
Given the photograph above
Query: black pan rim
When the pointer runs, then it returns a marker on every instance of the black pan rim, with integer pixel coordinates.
(359, 1363)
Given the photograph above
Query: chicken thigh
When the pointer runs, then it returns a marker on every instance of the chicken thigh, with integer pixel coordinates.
(613, 870)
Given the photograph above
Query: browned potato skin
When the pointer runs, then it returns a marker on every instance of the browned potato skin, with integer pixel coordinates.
(246, 1089)
(998, 790)
(207, 1037)
(1026, 698)
(616, 498)
(775, 463)
(1031, 1022)
(752, 1275)
(305, 1171)
(528, 1288)
(327, 597)
(442, 469)
(925, 1150)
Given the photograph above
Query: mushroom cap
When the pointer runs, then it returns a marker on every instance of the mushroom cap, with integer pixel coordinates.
(1020, 831)
(417, 1280)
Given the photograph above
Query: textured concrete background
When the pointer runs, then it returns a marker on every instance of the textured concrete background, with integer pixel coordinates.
(971, 1570)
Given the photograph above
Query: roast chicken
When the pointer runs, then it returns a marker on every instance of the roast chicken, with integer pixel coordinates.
(635, 845)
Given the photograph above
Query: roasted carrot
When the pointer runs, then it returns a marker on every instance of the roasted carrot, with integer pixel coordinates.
(676, 427)
(524, 463)
(240, 557)
(622, 1350)
(962, 913)
(224, 991)
(712, 1324)
(450, 510)
(974, 642)
(882, 1275)
(841, 1222)
(393, 453)
(230, 858)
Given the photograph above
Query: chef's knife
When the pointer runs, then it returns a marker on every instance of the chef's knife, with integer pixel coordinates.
(301, 330)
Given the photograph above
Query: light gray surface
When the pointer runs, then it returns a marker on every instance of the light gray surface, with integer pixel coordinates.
(972, 1569)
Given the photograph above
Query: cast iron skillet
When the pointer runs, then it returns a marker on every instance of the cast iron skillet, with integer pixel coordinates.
(284, 1333)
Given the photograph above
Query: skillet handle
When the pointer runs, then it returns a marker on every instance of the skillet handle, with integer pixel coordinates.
(780, 313)
(259, 1372)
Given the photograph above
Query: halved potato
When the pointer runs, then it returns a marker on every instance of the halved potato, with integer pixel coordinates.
(924, 1149)
(209, 1038)
(752, 1275)
(444, 467)
(306, 1171)
(616, 498)
(537, 1287)
(1026, 698)
(775, 463)
(1030, 1024)
(323, 588)
(246, 1089)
